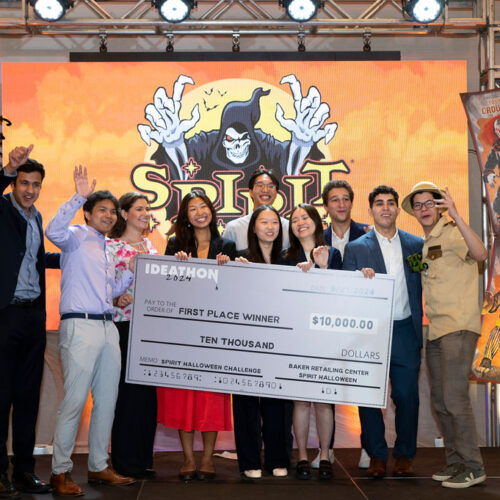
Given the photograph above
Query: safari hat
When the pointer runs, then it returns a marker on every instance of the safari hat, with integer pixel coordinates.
(420, 187)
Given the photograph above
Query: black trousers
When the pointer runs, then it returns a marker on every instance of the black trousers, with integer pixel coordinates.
(134, 427)
(22, 346)
(262, 419)
(332, 440)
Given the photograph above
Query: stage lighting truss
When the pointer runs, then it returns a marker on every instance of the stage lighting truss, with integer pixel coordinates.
(423, 11)
(301, 11)
(51, 10)
(174, 11)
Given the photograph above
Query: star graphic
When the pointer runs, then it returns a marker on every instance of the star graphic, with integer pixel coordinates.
(153, 222)
(191, 167)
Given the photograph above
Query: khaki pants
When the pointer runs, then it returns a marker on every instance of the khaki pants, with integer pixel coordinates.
(90, 358)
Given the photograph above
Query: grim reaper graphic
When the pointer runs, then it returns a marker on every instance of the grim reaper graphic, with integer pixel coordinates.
(237, 144)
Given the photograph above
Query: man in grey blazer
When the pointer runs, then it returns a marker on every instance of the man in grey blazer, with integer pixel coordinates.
(385, 249)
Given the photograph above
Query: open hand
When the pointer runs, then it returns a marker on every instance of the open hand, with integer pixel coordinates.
(82, 187)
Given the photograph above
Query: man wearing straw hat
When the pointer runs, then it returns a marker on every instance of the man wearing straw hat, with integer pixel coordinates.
(449, 270)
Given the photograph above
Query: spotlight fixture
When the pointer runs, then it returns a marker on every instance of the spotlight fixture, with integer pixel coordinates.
(51, 10)
(174, 11)
(423, 11)
(301, 10)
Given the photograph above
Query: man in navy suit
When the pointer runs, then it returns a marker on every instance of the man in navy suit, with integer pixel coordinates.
(385, 250)
(22, 314)
(338, 197)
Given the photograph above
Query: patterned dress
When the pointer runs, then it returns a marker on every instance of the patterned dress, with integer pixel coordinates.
(134, 426)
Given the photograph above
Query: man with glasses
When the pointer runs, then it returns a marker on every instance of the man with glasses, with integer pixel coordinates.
(449, 270)
(263, 187)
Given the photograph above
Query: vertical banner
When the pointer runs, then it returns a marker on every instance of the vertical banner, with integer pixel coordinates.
(483, 113)
(487, 360)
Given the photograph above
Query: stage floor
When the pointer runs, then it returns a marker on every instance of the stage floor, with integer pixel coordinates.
(349, 481)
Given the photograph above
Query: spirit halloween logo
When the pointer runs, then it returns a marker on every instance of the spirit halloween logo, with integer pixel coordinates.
(217, 149)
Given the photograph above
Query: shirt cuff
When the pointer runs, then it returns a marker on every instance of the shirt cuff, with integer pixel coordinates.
(8, 175)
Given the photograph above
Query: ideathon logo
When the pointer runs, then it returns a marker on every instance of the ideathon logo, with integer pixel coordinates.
(176, 272)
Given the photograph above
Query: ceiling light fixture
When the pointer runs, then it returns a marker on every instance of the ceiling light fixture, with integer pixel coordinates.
(51, 10)
(174, 11)
(423, 11)
(301, 11)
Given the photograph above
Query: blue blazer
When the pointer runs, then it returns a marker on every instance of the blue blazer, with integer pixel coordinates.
(366, 252)
(355, 231)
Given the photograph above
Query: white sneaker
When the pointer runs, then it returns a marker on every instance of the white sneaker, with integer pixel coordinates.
(364, 460)
(280, 472)
(253, 474)
(315, 462)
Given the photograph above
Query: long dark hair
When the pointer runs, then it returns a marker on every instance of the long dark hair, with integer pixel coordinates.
(184, 231)
(254, 253)
(125, 202)
(319, 236)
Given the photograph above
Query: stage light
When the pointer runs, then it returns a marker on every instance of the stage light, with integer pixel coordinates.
(51, 10)
(174, 11)
(301, 10)
(424, 11)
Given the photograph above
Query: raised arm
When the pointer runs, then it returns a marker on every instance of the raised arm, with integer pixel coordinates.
(58, 230)
(477, 250)
(17, 157)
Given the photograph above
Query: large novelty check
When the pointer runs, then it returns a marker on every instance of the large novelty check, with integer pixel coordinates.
(261, 330)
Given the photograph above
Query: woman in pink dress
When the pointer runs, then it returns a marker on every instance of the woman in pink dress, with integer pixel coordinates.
(196, 235)
(134, 425)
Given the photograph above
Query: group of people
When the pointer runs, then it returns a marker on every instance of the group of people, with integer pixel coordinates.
(97, 264)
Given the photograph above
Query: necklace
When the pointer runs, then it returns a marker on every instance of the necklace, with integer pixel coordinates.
(141, 247)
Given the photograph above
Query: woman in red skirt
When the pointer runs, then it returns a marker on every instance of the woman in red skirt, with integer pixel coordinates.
(196, 235)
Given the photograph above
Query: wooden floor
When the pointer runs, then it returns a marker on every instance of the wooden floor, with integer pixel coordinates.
(349, 481)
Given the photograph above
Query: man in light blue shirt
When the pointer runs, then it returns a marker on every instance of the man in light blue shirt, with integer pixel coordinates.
(88, 339)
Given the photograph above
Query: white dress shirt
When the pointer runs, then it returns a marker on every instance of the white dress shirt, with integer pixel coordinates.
(393, 260)
(340, 243)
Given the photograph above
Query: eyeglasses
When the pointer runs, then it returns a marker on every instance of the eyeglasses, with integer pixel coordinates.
(428, 204)
(262, 185)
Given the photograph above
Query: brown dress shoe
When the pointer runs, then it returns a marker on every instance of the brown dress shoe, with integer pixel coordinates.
(109, 476)
(402, 467)
(62, 484)
(377, 468)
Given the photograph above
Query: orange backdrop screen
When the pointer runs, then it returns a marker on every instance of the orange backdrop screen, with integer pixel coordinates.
(397, 123)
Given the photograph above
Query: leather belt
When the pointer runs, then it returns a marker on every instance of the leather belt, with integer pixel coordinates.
(26, 303)
(101, 317)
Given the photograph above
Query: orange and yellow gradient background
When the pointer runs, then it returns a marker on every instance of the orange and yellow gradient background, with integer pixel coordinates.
(398, 123)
